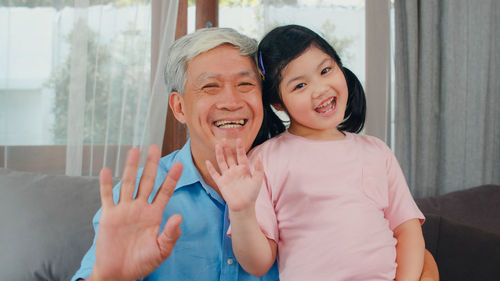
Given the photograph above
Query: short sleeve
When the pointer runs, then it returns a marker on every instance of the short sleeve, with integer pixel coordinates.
(264, 205)
(264, 210)
(402, 206)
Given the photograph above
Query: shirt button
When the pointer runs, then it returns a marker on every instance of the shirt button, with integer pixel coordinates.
(230, 261)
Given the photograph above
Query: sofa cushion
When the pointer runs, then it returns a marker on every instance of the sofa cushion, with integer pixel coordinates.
(462, 231)
(46, 224)
(462, 252)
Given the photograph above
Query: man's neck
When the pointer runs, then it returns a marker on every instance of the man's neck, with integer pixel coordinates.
(199, 163)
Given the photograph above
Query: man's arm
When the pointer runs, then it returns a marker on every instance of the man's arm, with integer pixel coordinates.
(409, 250)
(128, 245)
(430, 271)
(240, 188)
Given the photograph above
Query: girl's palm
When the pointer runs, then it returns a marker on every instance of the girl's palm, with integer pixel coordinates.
(237, 184)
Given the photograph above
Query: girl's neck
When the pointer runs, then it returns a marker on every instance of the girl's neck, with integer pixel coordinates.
(312, 134)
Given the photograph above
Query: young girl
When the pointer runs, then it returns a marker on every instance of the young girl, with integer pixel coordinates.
(334, 205)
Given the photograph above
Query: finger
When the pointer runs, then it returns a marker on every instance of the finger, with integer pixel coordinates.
(106, 188)
(169, 235)
(129, 175)
(168, 185)
(258, 172)
(229, 154)
(149, 175)
(221, 159)
(241, 153)
(212, 171)
(241, 156)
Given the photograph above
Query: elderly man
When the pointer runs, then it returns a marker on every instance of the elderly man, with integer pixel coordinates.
(215, 91)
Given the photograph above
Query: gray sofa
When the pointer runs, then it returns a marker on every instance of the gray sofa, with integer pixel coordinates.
(46, 228)
(45, 224)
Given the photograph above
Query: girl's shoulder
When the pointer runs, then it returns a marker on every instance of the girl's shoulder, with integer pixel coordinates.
(369, 142)
(269, 146)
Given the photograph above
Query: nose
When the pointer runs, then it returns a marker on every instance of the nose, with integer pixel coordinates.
(230, 99)
(320, 90)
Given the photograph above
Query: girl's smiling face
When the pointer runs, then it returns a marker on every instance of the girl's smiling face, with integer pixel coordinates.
(314, 91)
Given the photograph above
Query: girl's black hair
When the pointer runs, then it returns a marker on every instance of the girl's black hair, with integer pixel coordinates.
(276, 50)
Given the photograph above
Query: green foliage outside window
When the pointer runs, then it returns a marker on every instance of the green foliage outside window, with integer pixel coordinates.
(117, 73)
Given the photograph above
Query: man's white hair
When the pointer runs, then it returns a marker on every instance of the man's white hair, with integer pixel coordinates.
(187, 47)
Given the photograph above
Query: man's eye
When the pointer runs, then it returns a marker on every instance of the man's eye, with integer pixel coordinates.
(326, 70)
(209, 86)
(245, 87)
(299, 86)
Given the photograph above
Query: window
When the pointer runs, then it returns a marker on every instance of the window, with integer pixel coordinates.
(37, 47)
(73, 76)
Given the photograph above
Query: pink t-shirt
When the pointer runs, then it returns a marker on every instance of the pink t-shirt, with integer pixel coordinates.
(332, 205)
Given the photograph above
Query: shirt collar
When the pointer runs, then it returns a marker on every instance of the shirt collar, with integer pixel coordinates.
(190, 174)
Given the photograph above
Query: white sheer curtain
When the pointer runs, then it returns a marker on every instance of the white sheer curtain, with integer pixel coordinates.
(93, 97)
(159, 95)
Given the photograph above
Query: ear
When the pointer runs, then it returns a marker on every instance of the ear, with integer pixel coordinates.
(176, 103)
(279, 107)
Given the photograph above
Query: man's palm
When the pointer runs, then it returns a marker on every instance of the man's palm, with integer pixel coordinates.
(129, 245)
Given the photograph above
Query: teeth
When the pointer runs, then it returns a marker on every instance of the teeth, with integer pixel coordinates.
(328, 110)
(326, 103)
(229, 124)
(327, 106)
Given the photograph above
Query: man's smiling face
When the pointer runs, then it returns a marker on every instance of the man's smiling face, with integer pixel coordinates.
(222, 99)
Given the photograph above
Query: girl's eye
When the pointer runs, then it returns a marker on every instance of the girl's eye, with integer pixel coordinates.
(299, 86)
(326, 70)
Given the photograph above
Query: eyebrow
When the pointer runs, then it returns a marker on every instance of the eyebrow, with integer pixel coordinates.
(300, 77)
(244, 73)
(248, 73)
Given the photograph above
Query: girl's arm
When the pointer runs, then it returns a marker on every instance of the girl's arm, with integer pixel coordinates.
(240, 188)
(410, 250)
(253, 250)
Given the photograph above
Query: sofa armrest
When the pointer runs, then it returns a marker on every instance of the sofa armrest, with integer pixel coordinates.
(476, 206)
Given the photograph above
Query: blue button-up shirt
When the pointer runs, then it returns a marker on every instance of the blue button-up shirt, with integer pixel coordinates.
(203, 251)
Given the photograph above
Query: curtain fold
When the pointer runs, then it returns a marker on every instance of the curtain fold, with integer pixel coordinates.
(77, 90)
(154, 132)
(447, 129)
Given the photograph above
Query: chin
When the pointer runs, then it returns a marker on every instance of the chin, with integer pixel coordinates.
(232, 142)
